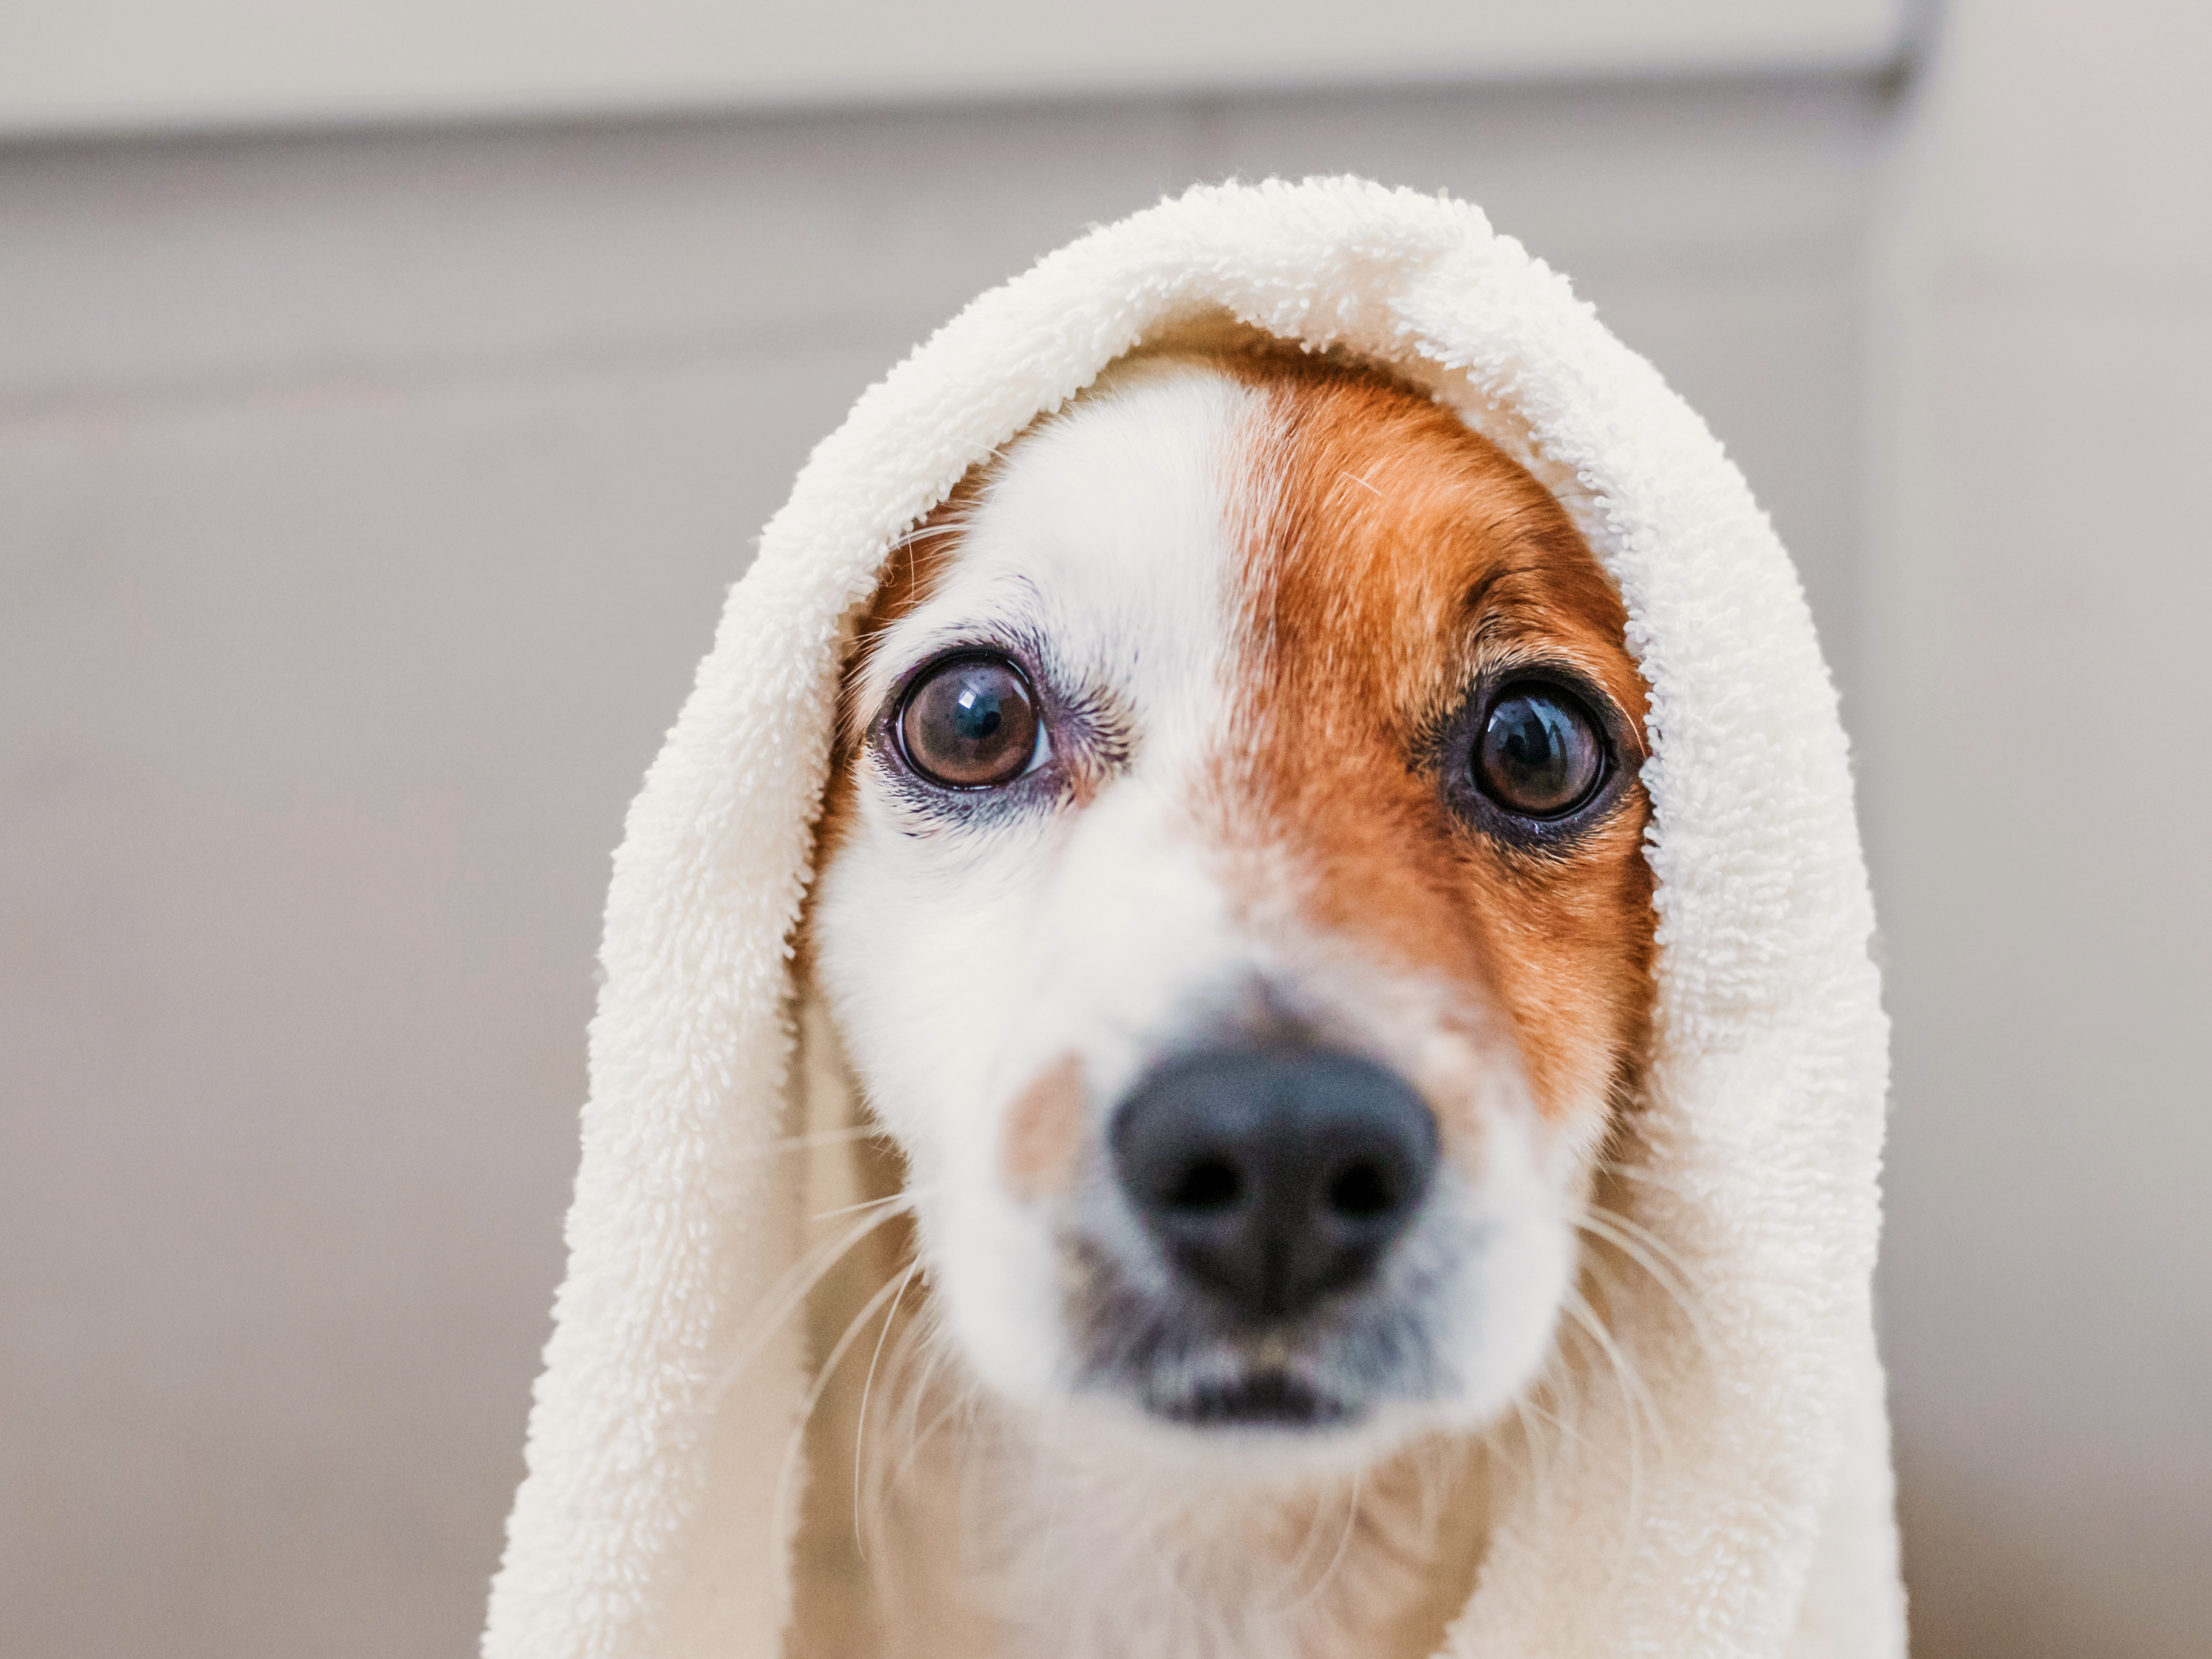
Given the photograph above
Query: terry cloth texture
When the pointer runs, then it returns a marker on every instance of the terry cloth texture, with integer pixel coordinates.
(1760, 1524)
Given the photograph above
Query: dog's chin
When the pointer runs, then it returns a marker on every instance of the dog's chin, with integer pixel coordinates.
(1264, 1431)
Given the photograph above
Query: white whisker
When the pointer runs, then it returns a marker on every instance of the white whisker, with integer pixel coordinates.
(791, 1290)
(1335, 1561)
(860, 1426)
(813, 1397)
(1644, 1248)
(865, 1204)
(1634, 1396)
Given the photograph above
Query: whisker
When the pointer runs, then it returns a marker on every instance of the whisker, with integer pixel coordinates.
(1343, 1544)
(1591, 1330)
(899, 1385)
(957, 1401)
(1296, 1565)
(950, 527)
(1634, 1395)
(1644, 1234)
(818, 1138)
(813, 1398)
(913, 1392)
(1644, 1248)
(1432, 1480)
(1524, 1412)
(865, 1204)
(909, 543)
(1633, 1391)
(1641, 1174)
(1558, 1384)
(861, 1427)
(1569, 1436)
(792, 1289)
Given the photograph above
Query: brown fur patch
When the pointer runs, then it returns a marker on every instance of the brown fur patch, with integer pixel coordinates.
(1403, 554)
(1044, 1130)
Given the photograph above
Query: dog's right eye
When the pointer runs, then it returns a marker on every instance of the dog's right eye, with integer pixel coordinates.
(970, 722)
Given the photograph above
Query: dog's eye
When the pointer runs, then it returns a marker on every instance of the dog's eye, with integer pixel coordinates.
(1539, 754)
(970, 723)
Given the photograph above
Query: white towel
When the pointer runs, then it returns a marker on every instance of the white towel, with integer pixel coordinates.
(1759, 1523)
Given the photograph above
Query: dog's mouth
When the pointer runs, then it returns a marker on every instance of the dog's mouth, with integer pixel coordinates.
(1186, 1362)
(1264, 1399)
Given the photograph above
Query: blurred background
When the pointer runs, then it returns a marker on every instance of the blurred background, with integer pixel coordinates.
(388, 391)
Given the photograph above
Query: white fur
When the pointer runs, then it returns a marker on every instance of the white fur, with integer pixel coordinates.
(647, 1527)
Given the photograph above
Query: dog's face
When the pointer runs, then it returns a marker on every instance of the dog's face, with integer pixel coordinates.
(1233, 903)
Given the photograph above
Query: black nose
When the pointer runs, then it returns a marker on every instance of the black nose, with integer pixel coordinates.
(1273, 1176)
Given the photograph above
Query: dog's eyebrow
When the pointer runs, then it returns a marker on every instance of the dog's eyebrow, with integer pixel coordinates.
(1478, 596)
(1006, 608)
(1482, 603)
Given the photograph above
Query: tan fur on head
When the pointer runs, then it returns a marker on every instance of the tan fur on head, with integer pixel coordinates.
(1406, 555)
(1262, 587)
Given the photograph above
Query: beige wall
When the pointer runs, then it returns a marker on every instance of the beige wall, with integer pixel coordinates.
(140, 66)
(2037, 805)
(364, 504)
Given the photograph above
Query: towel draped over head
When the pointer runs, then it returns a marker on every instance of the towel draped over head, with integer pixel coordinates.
(1758, 1521)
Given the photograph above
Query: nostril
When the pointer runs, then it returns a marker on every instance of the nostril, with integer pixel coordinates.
(1363, 1190)
(1207, 1187)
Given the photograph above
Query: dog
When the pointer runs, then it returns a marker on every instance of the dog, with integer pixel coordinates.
(1232, 908)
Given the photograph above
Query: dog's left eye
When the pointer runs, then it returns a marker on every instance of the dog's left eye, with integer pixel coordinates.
(1539, 754)
(970, 722)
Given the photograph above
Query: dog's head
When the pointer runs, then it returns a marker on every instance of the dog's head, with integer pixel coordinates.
(1233, 903)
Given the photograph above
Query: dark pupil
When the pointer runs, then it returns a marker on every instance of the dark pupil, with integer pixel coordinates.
(1539, 754)
(970, 724)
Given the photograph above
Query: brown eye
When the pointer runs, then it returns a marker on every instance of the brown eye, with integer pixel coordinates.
(1539, 754)
(970, 723)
